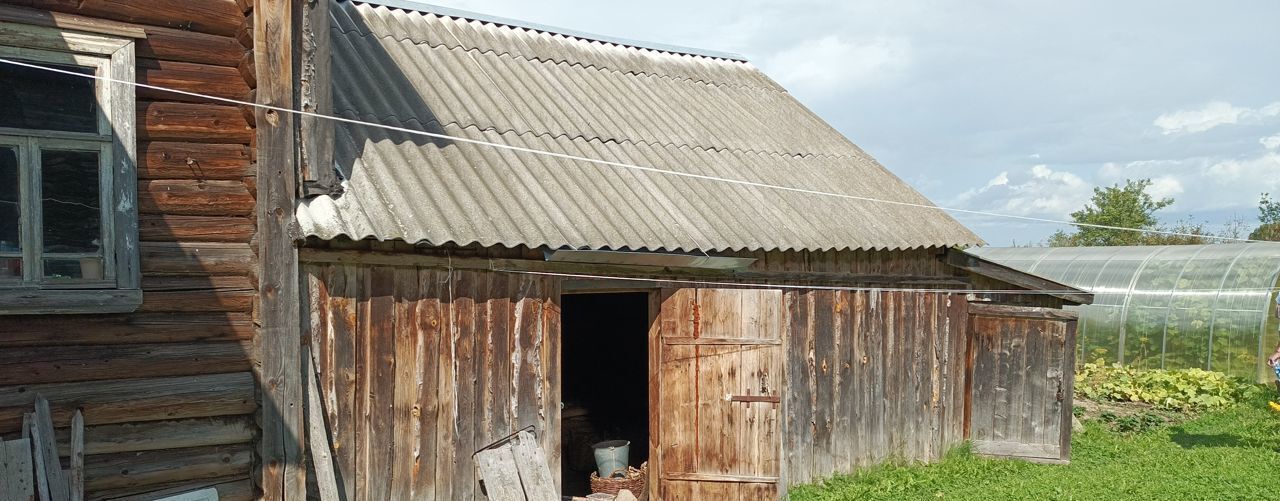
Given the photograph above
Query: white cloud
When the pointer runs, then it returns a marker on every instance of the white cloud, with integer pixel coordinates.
(1211, 115)
(1037, 191)
(831, 62)
(1271, 142)
(1215, 183)
(1197, 185)
(1165, 186)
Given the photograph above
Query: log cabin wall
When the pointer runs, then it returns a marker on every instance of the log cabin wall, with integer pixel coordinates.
(421, 367)
(168, 392)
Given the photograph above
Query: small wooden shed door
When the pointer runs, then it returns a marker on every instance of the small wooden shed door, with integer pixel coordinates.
(1021, 369)
(718, 360)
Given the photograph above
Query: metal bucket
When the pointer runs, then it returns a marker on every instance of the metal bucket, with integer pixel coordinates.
(612, 456)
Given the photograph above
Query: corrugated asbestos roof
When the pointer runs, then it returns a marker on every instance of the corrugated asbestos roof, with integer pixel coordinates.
(538, 89)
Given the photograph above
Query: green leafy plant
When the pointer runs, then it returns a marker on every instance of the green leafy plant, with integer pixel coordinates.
(1176, 390)
(1138, 423)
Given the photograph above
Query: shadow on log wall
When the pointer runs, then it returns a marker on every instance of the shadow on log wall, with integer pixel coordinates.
(168, 392)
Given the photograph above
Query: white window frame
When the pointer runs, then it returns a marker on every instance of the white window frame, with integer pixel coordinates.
(115, 142)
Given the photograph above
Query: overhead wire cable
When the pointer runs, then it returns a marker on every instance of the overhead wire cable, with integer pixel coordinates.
(659, 171)
(621, 165)
(861, 288)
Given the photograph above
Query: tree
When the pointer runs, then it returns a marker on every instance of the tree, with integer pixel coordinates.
(1269, 216)
(1128, 206)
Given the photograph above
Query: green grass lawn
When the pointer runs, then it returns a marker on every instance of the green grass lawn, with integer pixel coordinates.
(1226, 454)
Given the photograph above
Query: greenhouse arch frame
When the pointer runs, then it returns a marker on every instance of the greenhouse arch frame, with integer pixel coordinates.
(1176, 306)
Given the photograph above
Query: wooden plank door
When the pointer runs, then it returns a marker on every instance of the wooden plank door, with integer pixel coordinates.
(717, 357)
(1021, 369)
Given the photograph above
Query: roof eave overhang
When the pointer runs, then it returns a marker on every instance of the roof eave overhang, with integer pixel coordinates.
(1033, 283)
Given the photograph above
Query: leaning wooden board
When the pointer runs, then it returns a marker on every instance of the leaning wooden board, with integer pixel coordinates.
(16, 471)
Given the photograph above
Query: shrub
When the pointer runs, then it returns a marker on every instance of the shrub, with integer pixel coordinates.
(1176, 390)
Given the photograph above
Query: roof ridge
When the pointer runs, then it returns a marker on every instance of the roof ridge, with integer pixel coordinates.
(548, 60)
(373, 118)
(421, 7)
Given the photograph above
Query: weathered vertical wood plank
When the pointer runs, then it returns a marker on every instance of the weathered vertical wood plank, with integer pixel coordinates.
(498, 358)
(895, 377)
(317, 432)
(283, 476)
(9, 474)
(679, 400)
(916, 369)
(942, 357)
(775, 383)
(16, 470)
(844, 437)
(531, 463)
(861, 379)
(465, 304)
(984, 378)
(346, 291)
(484, 338)
(365, 365)
(1007, 369)
(715, 428)
(448, 413)
(497, 467)
(930, 391)
(527, 375)
(1066, 392)
(315, 95)
(824, 379)
(877, 353)
(75, 484)
(799, 396)
(430, 333)
(124, 154)
(549, 417)
(1037, 336)
(656, 406)
(1021, 353)
(964, 390)
(318, 279)
(405, 425)
(49, 475)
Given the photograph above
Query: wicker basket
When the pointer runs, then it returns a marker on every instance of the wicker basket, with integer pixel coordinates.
(634, 481)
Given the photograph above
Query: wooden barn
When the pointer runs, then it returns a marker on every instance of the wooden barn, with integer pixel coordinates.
(511, 227)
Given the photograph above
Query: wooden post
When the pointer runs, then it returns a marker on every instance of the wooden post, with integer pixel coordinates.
(315, 94)
(283, 475)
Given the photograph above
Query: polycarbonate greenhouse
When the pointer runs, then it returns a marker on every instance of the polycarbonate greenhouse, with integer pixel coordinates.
(1177, 306)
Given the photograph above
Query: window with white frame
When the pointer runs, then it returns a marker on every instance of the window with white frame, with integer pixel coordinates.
(68, 217)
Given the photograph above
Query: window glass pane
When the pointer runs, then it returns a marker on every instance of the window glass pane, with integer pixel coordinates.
(10, 212)
(40, 99)
(70, 202)
(88, 268)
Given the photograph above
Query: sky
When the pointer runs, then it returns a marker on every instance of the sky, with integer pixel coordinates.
(1016, 107)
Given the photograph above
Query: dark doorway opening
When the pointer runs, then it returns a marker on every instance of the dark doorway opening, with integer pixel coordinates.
(604, 380)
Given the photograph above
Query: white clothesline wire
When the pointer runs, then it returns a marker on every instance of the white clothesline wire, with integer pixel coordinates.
(621, 165)
(588, 276)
